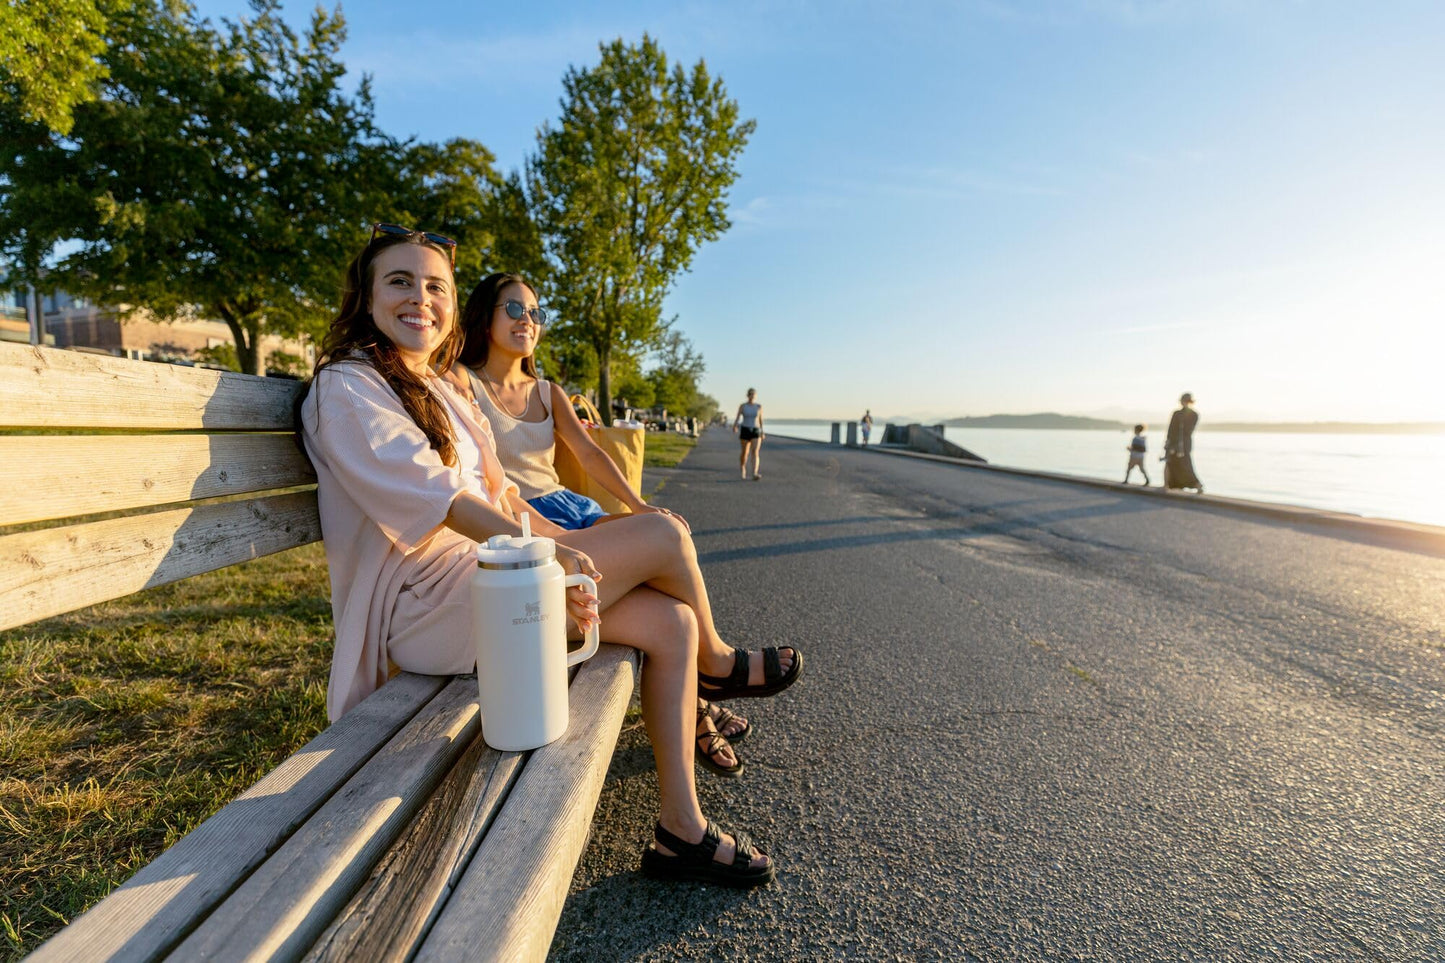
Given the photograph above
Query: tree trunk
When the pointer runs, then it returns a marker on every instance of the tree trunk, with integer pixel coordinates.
(246, 337)
(604, 382)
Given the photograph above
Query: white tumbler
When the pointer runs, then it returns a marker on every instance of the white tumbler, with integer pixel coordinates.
(519, 623)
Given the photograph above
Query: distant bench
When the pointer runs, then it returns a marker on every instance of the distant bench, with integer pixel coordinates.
(396, 832)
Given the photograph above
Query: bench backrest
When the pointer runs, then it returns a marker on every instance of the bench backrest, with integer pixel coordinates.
(190, 470)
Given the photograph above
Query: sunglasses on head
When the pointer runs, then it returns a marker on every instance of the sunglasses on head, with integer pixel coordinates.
(516, 310)
(396, 230)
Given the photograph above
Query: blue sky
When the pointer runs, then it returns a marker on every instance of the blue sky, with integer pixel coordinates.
(1084, 206)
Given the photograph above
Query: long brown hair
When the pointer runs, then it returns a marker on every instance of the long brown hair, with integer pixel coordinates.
(354, 337)
(477, 317)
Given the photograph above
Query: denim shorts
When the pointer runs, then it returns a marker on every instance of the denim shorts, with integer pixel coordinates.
(567, 509)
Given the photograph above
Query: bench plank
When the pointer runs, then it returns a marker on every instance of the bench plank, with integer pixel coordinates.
(61, 476)
(280, 910)
(160, 904)
(388, 917)
(54, 388)
(507, 903)
(58, 570)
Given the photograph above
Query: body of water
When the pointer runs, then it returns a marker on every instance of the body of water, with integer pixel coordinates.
(1384, 476)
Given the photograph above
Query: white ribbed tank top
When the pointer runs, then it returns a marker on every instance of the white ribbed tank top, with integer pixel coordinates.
(524, 447)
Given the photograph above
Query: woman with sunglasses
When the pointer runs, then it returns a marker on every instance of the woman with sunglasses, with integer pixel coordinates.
(502, 324)
(409, 483)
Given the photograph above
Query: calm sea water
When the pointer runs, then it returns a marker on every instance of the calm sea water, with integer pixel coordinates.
(1385, 476)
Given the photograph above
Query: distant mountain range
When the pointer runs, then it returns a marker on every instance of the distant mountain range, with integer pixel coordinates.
(1053, 420)
(1047, 419)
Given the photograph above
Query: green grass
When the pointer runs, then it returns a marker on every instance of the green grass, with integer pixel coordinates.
(665, 449)
(124, 725)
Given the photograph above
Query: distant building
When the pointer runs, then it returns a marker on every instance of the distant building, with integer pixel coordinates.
(72, 322)
(14, 318)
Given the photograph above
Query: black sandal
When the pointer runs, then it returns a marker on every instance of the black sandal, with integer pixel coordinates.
(694, 861)
(722, 717)
(734, 685)
(710, 743)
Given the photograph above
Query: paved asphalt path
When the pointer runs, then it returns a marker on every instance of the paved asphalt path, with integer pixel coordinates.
(1040, 721)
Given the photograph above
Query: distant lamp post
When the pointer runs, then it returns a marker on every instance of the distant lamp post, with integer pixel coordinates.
(37, 317)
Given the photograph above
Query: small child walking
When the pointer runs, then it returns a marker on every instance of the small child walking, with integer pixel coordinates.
(1137, 448)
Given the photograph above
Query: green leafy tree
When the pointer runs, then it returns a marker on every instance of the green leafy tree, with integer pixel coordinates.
(626, 187)
(675, 376)
(635, 389)
(455, 189)
(704, 408)
(50, 56)
(216, 173)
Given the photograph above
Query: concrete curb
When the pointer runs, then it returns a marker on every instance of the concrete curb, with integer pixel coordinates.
(1385, 531)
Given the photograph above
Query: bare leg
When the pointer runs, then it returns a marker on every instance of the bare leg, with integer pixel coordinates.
(655, 550)
(666, 632)
(743, 459)
(757, 454)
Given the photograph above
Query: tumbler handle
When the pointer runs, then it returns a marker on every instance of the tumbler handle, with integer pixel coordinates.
(592, 638)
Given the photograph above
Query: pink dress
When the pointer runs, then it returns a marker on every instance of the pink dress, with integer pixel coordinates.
(399, 576)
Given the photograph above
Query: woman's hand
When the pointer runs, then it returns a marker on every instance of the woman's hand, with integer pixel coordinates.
(646, 509)
(581, 604)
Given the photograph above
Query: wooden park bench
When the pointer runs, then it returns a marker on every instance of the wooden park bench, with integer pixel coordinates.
(394, 833)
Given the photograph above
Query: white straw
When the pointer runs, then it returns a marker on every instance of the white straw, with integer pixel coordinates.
(526, 525)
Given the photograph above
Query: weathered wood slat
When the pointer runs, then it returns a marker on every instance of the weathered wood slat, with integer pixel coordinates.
(57, 570)
(507, 902)
(279, 911)
(51, 388)
(388, 917)
(160, 904)
(59, 476)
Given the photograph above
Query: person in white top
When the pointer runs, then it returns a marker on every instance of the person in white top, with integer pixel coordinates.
(502, 324)
(409, 483)
(749, 428)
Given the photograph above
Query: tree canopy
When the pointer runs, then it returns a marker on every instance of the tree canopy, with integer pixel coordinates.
(626, 187)
(215, 172)
(165, 164)
(50, 56)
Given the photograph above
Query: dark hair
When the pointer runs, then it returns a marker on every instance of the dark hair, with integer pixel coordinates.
(1138, 429)
(354, 332)
(477, 316)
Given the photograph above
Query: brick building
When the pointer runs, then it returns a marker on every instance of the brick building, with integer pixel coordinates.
(72, 322)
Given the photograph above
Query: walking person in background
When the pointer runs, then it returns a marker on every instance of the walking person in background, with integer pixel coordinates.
(1179, 445)
(1137, 448)
(866, 422)
(749, 426)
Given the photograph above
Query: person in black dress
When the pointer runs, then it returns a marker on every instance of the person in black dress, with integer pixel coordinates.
(1178, 446)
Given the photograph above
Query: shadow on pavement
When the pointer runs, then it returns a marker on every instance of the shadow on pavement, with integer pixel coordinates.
(983, 528)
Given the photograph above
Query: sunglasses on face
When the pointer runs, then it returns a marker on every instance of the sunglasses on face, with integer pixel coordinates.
(396, 230)
(516, 310)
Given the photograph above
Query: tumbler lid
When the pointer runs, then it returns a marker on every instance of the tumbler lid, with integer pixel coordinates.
(515, 551)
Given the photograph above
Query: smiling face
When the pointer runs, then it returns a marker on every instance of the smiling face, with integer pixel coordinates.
(412, 300)
(514, 338)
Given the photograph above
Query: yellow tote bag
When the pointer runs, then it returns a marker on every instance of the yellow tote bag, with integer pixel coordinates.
(623, 445)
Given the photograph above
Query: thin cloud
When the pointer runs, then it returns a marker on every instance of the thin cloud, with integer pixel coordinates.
(1165, 326)
(511, 61)
(941, 183)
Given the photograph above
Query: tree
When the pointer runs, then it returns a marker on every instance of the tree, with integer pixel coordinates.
(626, 188)
(214, 173)
(454, 189)
(674, 378)
(635, 389)
(50, 56)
